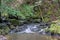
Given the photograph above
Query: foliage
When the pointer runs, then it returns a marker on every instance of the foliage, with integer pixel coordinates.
(48, 10)
(55, 27)
(24, 12)
(4, 29)
(14, 21)
(45, 10)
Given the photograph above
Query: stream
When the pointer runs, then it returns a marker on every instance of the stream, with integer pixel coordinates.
(31, 28)
(27, 28)
(29, 31)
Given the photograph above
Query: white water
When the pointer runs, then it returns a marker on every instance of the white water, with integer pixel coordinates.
(33, 28)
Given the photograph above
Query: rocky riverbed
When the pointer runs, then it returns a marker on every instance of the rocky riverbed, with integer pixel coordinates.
(31, 28)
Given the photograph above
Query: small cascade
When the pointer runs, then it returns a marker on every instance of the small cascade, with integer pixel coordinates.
(30, 28)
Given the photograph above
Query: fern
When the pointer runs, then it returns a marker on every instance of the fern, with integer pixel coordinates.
(23, 13)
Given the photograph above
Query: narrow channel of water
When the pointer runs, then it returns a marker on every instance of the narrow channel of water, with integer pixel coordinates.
(31, 28)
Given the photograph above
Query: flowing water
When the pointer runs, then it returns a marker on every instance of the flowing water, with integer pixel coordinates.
(31, 28)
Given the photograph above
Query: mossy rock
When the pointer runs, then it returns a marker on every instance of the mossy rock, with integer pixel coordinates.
(4, 30)
(14, 22)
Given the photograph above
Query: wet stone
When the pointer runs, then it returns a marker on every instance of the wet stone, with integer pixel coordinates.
(30, 28)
